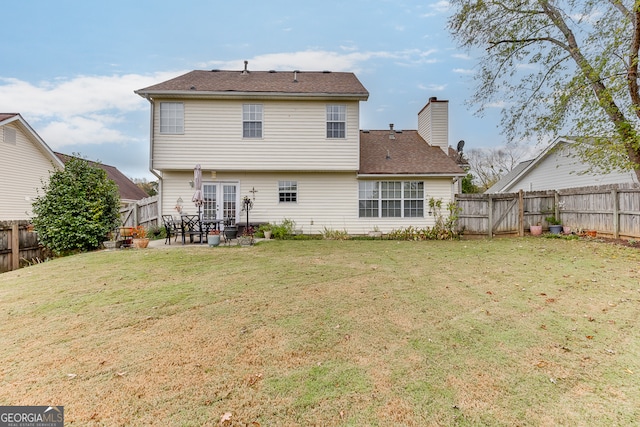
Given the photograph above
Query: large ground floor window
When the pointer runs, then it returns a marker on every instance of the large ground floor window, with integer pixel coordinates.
(391, 199)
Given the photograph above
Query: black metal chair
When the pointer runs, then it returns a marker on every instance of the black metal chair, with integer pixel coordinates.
(172, 228)
(192, 226)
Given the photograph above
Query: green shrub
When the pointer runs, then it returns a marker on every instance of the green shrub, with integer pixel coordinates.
(331, 234)
(79, 208)
(283, 230)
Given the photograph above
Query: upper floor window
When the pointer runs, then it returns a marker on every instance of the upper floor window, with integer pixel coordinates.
(391, 199)
(171, 117)
(288, 191)
(336, 121)
(252, 120)
(9, 135)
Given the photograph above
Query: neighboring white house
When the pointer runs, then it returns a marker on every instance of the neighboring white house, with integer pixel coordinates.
(554, 169)
(25, 164)
(290, 141)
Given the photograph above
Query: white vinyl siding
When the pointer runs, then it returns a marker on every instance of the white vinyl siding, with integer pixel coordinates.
(171, 117)
(433, 124)
(560, 170)
(23, 167)
(293, 138)
(330, 199)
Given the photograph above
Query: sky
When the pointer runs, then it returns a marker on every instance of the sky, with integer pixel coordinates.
(70, 67)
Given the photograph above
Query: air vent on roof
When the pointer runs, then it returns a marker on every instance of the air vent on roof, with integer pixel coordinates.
(272, 71)
(193, 88)
(365, 130)
(392, 134)
(246, 70)
(295, 76)
(215, 70)
(326, 71)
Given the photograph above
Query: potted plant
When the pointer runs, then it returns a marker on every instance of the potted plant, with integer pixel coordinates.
(140, 239)
(111, 242)
(555, 225)
(213, 239)
(375, 233)
(266, 230)
(535, 230)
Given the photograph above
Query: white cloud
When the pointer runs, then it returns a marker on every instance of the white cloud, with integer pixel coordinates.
(432, 87)
(496, 104)
(461, 56)
(463, 71)
(440, 6)
(81, 110)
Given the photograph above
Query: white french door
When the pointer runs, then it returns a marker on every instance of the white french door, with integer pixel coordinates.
(220, 200)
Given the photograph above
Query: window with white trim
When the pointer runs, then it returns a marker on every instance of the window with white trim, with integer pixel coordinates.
(172, 117)
(287, 191)
(252, 120)
(336, 121)
(391, 199)
(10, 135)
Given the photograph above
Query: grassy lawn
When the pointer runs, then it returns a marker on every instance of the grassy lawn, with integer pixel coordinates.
(529, 332)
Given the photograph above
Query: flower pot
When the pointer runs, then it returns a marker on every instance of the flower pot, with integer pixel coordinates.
(140, 243)
(267, 234)
(375, 234)
(555, 229)
(535, 230)
(591, 233)
(566, 229)
(213, 240)
(110, 244)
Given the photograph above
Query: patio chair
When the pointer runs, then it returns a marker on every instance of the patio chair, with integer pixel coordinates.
(192, 226)
(172, 228)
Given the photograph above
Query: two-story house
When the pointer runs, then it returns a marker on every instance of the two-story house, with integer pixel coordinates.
(291, 142)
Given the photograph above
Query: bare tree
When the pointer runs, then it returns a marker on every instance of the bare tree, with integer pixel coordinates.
(488, 165)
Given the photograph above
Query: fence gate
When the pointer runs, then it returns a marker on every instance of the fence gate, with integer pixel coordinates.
(491, 214)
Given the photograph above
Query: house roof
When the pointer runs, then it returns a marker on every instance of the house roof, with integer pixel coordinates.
(407, 153)
(509, 177)
(275, 83)
(127, 188)
(5, 116)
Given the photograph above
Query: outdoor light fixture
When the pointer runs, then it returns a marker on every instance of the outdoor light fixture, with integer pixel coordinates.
(191, 183)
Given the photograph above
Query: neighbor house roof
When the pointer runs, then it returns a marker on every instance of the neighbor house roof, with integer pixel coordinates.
(129, 191)
(509, 177)
(200, 83)
(405, 153)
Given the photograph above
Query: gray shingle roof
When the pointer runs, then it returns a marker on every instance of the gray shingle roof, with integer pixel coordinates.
(408, 153)
(201, 82)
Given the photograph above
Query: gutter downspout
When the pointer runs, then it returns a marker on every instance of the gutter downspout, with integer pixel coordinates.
(151, 140)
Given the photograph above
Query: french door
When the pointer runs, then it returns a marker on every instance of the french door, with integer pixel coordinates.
(220, 201)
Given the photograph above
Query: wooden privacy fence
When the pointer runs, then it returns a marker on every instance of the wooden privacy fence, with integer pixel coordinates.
(143, 212)
(611, 211)
(18, 245)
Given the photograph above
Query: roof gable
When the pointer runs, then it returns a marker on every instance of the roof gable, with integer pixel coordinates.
(405, 153)
(6, 118)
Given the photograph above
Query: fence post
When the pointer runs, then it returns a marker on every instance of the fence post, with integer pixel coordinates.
(490, 219)
(15, 245)
(615, 202)
(520, 213)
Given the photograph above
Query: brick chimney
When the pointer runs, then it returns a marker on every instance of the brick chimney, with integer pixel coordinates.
(433, 123)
